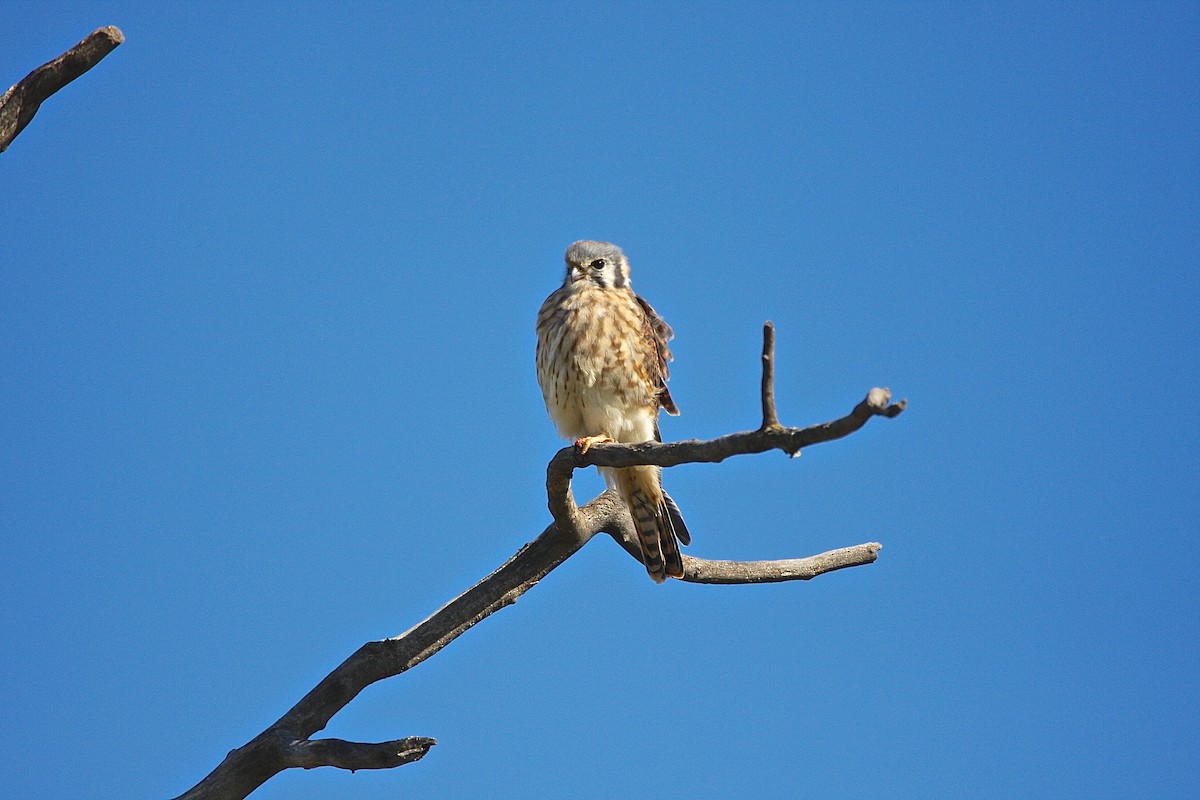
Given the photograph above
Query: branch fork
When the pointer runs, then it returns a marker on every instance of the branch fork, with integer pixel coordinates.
(611, 516)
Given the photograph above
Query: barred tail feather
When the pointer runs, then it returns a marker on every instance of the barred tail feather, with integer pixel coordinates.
(676, 518)
(656, 518)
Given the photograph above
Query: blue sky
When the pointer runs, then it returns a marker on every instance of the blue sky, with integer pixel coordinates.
(269, 281)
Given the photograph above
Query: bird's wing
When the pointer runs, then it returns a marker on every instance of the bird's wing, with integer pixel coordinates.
(656, 333)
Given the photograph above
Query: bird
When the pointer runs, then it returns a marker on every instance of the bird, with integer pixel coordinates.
(602, 366)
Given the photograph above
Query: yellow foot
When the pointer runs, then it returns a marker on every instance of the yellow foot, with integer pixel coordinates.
(584, 443)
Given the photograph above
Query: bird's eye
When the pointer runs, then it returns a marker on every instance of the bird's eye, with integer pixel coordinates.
(597, 264)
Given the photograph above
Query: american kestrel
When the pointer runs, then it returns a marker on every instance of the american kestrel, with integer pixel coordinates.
(602, 364)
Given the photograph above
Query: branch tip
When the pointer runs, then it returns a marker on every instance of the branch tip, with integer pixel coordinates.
(112, 32)
(879, 401)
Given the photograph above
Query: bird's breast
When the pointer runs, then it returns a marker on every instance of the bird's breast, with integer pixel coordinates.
(590, 346)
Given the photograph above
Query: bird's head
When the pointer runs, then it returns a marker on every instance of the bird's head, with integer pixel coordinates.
(597, 264)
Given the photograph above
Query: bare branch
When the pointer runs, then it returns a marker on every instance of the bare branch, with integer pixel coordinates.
(607, 514)
(770, 415)
(286, 744)
(771, 436)
(358, 755)
(613, 518)
(692, 451)
(248, 767)
(699, 570)
(22, 101)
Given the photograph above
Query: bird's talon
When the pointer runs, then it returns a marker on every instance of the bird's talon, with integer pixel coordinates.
(584, 443)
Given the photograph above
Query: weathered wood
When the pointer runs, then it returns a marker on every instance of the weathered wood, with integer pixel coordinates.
(22, 101)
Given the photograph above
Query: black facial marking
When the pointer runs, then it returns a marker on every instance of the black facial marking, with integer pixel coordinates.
(597, 267)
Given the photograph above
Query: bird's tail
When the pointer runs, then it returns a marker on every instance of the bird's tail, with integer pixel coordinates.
(660, 527)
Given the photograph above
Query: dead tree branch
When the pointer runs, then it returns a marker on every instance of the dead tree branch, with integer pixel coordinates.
(356, 755)
(286, 744)
(22, 101)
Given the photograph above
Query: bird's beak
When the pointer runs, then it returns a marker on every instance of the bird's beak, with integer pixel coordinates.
(576, 272)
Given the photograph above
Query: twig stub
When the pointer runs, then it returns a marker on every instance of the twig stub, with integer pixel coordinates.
(770, 419)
